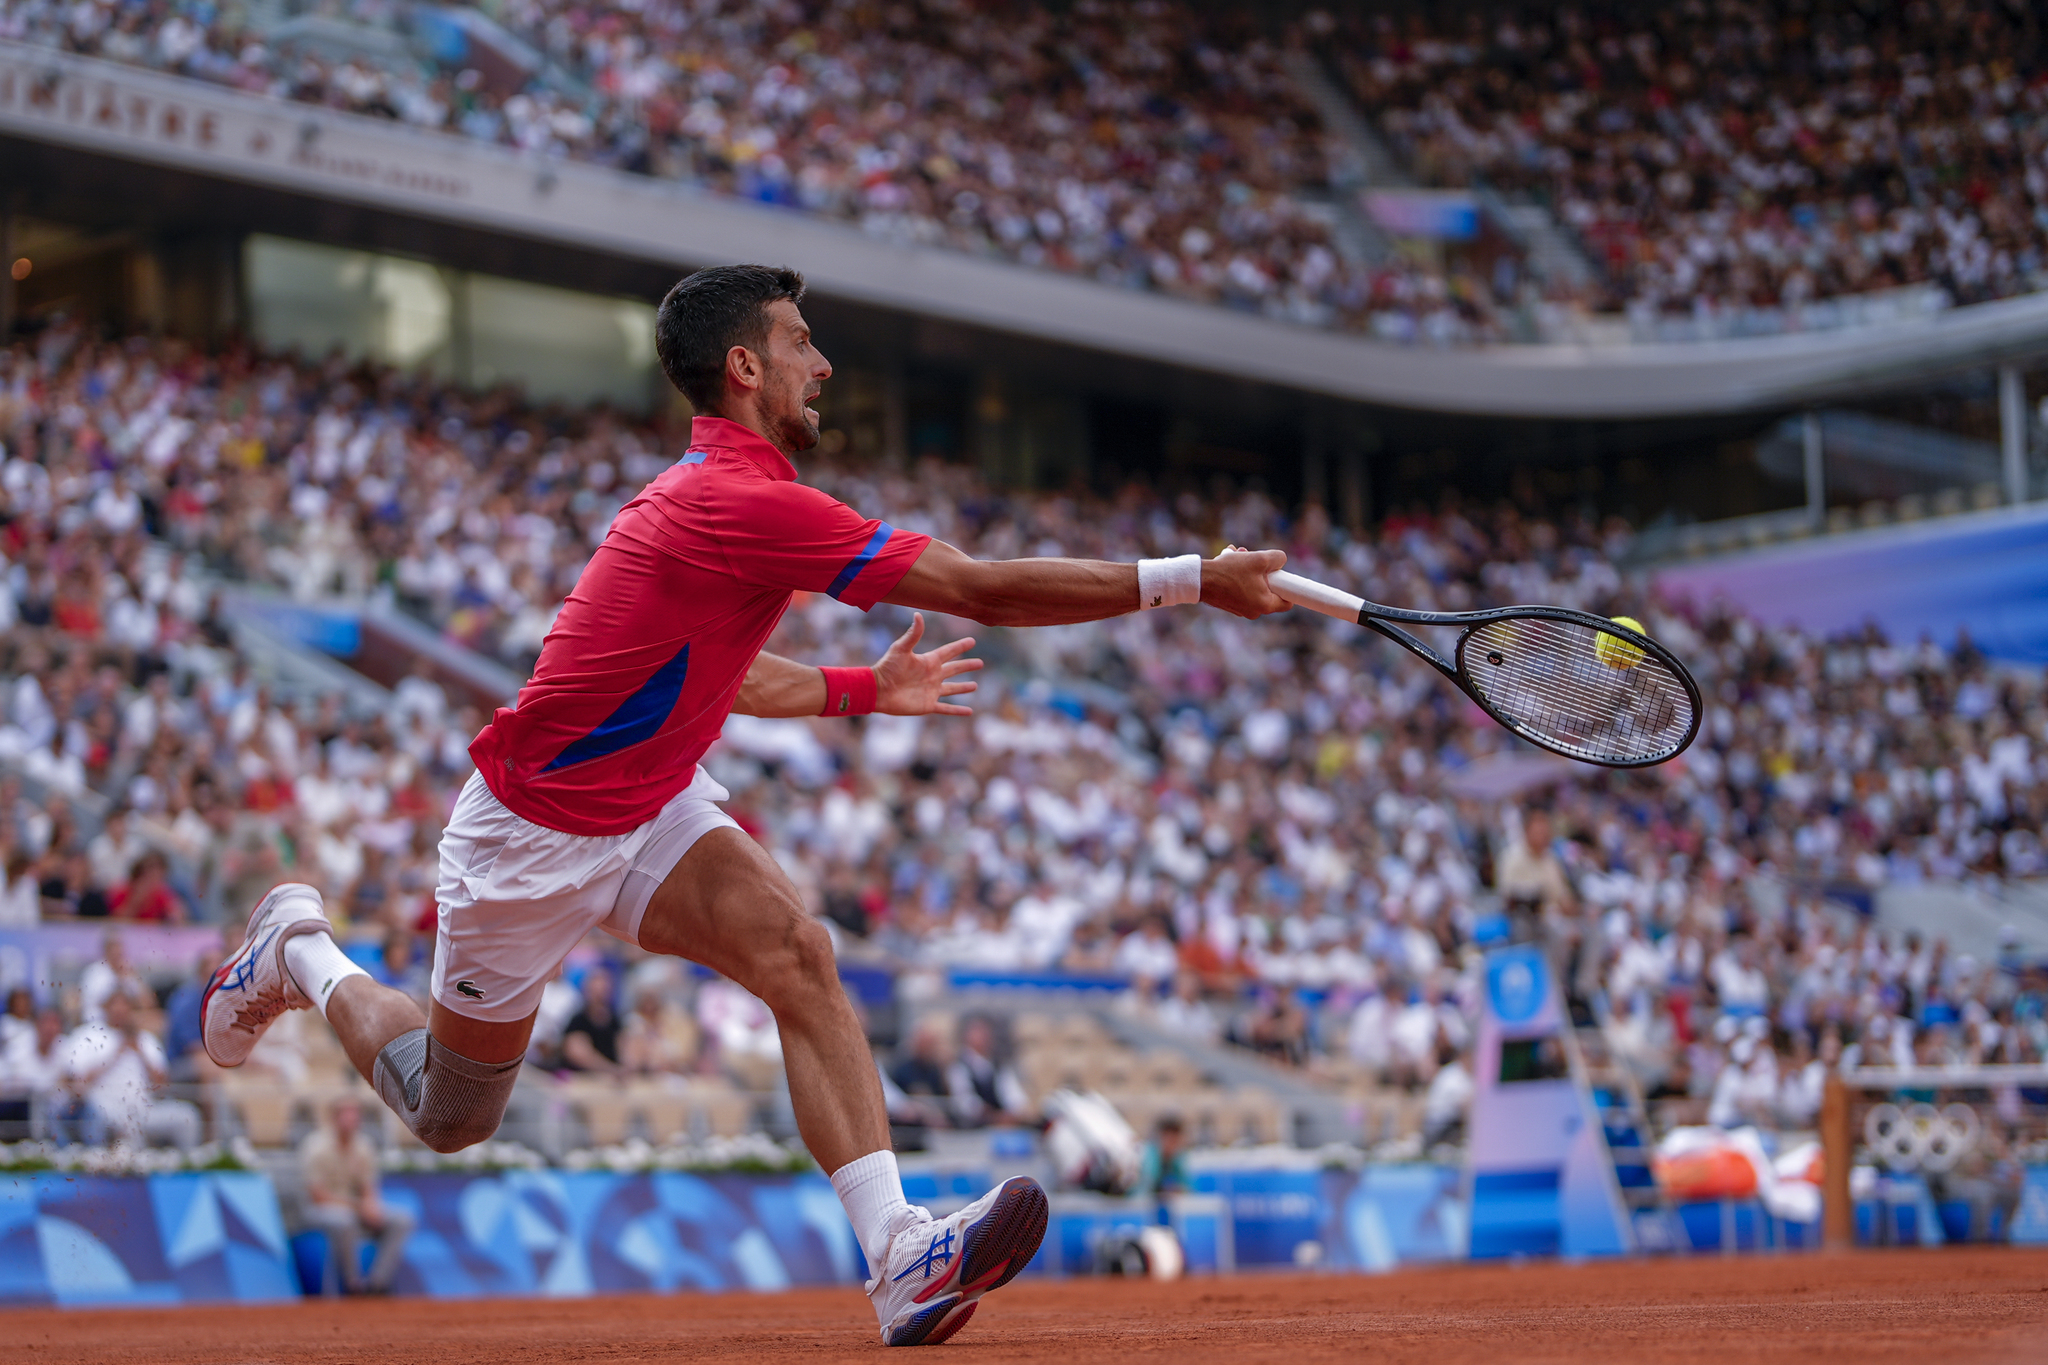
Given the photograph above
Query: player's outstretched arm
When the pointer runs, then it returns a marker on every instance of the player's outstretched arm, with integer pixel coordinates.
(1053, 592)
(906, 683)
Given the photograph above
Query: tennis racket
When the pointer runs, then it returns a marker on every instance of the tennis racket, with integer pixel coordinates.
(1544, 673)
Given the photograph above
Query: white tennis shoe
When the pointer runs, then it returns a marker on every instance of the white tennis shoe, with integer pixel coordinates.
(252, 988)
(938, 1269)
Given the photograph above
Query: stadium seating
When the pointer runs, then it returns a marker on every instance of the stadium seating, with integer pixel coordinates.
(1302, 809)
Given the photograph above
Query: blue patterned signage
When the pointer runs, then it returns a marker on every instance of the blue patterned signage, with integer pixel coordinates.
(557, 1233)
(193, 1237)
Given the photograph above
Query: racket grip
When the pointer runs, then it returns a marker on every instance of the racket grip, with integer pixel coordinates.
(1306, 592)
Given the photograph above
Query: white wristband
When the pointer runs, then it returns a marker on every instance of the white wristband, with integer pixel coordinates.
(1174, 582)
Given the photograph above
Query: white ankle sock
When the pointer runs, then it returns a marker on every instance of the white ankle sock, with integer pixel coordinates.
(872, 1192)
(318, 965)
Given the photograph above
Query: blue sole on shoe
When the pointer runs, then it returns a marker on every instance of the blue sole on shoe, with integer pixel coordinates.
(999, 1245)
(930, 1327)
(1006, 1237)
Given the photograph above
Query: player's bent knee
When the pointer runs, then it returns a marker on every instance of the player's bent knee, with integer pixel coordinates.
(446, 1100)
(788, 977)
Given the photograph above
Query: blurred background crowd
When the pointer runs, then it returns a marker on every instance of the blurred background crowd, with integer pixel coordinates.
(1278, 835)
(1737, 154)
(1742, 158)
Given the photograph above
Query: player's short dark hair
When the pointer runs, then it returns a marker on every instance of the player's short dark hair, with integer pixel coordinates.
(709, 313)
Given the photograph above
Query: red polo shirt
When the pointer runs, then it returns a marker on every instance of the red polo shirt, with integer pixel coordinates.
(639, 673)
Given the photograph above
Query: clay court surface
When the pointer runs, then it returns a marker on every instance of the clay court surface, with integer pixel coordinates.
(1922, 1307)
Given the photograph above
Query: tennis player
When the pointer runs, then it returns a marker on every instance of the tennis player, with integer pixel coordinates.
(588, 810)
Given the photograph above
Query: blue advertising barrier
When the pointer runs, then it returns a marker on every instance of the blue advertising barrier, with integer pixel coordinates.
(1373, 1219)
(217, 1236)
(573, 1233)
(2030, 1219)
(195, 1237)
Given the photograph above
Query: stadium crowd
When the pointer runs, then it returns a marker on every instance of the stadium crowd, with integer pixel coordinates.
(1723, 160)
(1281, 833)
(1739, 154)
(1154, 145)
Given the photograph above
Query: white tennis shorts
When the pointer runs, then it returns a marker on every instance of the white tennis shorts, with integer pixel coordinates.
(515, 897)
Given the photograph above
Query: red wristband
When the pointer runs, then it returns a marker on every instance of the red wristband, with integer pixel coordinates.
(849, 691)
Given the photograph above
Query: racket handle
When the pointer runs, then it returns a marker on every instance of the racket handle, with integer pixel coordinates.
(1306, 592)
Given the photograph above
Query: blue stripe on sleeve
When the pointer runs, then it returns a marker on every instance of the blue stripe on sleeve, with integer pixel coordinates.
(860, 561)
(693, 457)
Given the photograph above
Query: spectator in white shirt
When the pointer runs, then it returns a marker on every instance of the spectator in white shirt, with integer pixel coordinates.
(1148, 955)
(1638, 966)
(1449, 1096)
(55, 766)
(1738, 981)
(112, 975)
(115, 848)
(1746, 1091)
(1803, 1081)
(1186, 1015)
(115, 1073)
(21, 898)
(31, 1076)
(20, 1018)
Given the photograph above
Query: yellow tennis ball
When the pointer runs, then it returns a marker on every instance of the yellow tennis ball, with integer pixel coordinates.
(1616, 652)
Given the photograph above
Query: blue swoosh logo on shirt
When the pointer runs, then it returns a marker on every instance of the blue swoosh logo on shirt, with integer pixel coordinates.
(639, 717)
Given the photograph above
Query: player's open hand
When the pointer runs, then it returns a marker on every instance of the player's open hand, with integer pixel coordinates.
(911, 684)
(1236, 582)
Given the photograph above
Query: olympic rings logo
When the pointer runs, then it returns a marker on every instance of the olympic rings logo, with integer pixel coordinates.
(1919, 1136)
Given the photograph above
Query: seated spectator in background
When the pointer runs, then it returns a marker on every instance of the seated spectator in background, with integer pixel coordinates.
(67, 887)
(590, 1042)
(1529, 875)
(559, 1003)
(19, 1019)
(1212, 970)
(1746, 1091)
(981, 1083)
(1092, 950)
(1162, 1167)
(1279, 1027)
(1185, 1014)
(184, 1040)
(1149, 954)
(21, 894)
(846, 903)
(115, 849)
(1803, 1078)
(1416, 1030)
(659, 1037)
(920, 1078)
(1738, 982)
(110, 976)
(31, 1074)
(339, 1167)
(148, 894)
(115, 1074)
(1448, 1098)
(1369, 1036)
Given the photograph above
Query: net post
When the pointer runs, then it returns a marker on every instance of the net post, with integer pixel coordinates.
(1838, 1214)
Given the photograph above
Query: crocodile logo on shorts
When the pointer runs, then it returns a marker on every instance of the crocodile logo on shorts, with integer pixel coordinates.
(470, 989)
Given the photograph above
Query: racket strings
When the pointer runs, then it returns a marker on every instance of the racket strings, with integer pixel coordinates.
(1547, 678)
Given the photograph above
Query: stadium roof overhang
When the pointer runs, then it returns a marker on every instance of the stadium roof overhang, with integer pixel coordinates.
(137, 117)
